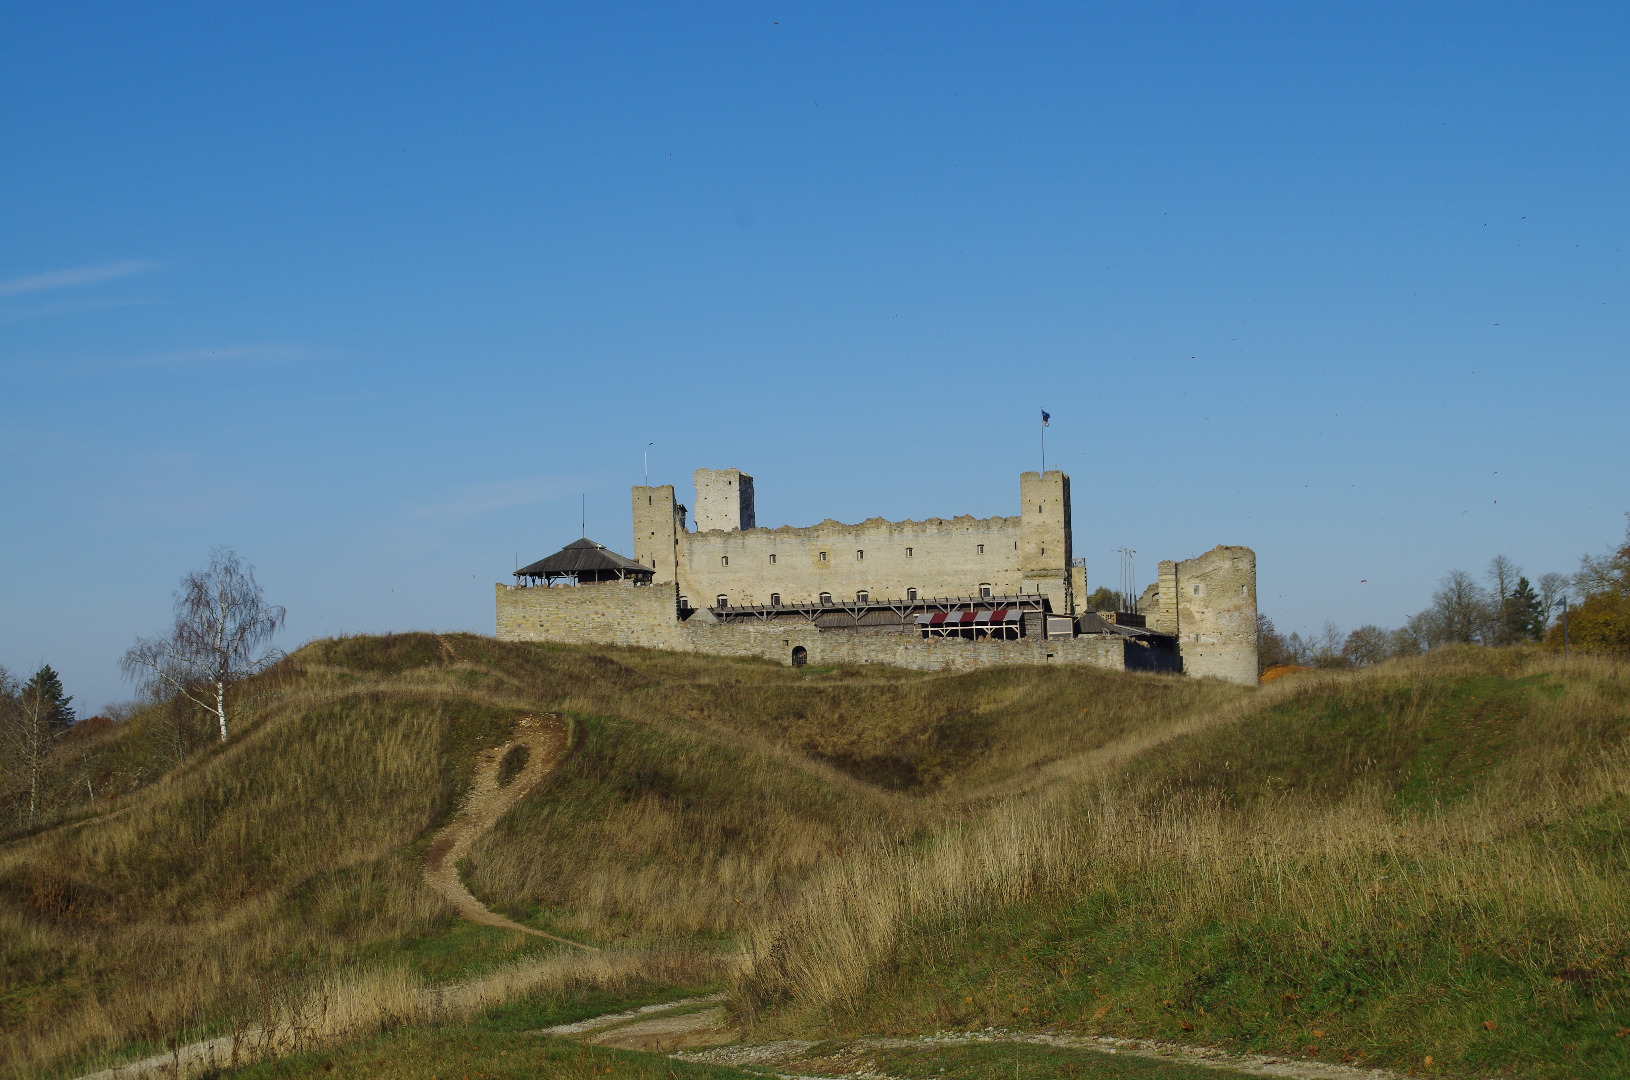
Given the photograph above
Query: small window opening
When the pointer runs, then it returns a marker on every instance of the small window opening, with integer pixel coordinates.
(826, 599)
(859, 555)
(1242, 590)
(823, 556)
(1197, 590)
(721, 601)
(775, 599)
(684, 601)
(772, 558)
(909, 553)
(984, 590)
(724, 560)
(863, 597)
(981, 549)
(648, 500)
(911, 594)
(1038, 508)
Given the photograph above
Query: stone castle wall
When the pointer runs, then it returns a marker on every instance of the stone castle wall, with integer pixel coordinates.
(724, 500)
(621, 613)
(1025, 554)
(1209, 603)
(609, 613)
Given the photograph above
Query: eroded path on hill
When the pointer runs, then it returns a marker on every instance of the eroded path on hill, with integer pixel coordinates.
(546, 740)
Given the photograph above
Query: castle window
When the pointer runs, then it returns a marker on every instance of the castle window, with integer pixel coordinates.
(648, 500)
(1197, 590)
(908, 553)
(823, 556)
(981, 549)
(684, 602)
(984, 590)
(859, 555)
(772, 558)
(863, 597)
(724, 560)
(1242, 590)
(775, 599)
(826, 599)
(911, 594)
(721, 601)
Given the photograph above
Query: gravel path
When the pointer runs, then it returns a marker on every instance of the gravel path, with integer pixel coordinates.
(546, 740)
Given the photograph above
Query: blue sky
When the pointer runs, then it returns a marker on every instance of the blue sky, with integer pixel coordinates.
(376, 294)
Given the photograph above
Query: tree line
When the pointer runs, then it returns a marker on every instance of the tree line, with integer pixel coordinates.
(1588, 610)
(222, 633)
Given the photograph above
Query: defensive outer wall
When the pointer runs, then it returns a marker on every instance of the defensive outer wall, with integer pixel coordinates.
(1207, 604)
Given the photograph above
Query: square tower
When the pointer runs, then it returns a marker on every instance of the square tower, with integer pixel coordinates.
(658, 521)
(724, 500)
(1045, 539)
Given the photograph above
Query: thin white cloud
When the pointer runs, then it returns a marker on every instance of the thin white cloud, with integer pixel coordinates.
(501, 494)
(226, 354)
(73, 279)
(77, 307)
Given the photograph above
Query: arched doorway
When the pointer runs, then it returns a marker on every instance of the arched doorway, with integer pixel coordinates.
(800, 656)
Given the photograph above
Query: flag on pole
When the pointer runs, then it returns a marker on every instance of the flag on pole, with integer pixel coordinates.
(1045, 416)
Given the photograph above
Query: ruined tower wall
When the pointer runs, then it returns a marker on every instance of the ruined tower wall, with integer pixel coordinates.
(1209, 602)
(658, 522)
(724, 500)
(1045, 544)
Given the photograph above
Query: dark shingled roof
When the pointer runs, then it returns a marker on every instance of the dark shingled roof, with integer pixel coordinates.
(582, 557)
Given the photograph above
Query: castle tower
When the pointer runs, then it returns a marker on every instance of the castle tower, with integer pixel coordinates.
(658, 521)
(724, 500)
(1045, 542)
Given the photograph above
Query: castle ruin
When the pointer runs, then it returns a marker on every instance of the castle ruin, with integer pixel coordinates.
(942, 593)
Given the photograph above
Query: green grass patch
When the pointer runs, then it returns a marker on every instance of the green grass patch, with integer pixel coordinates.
(1017, 1061)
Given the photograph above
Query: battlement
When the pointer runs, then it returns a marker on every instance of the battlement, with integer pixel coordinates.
(729, 566)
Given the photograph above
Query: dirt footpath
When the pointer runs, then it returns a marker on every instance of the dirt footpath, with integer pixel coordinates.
(546, 739)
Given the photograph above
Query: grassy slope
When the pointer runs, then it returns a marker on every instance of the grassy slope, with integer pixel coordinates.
(1428, 861)
(1372, 864)
(695, 802)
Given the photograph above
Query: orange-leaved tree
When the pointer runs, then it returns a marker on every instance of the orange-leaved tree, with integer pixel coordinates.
(1600, 621)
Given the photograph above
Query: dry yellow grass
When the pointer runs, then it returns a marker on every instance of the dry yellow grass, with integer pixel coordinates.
(702, 794)
(822, 835)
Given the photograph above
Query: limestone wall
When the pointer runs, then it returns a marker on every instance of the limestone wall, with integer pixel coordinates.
(658, 522)
(621, 613)
(1209, 602)
(1025, 554)
(1045, 543)
(608, 613)
(884, 558)
(724, 499)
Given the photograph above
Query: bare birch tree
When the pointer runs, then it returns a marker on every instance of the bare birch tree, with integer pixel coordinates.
(223, 633)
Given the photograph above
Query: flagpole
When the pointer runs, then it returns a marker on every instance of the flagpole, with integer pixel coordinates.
(1044, 441)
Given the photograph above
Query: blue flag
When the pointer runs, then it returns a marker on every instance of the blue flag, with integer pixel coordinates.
(1045, 416)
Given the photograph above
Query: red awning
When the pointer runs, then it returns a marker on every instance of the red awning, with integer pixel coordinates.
(969, 618)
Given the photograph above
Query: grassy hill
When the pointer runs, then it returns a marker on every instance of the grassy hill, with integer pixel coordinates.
(1424, 859)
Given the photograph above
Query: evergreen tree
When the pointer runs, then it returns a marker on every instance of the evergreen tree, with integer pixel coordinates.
(44, 694)
(1522, 613)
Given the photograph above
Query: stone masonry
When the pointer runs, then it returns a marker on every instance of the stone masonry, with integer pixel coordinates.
(727, 562)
